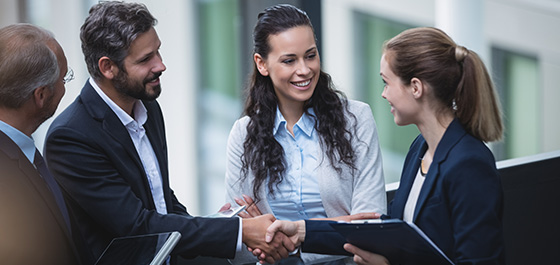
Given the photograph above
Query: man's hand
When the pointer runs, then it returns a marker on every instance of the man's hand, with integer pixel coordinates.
(254, 230)
(362, 257)
(295, 232)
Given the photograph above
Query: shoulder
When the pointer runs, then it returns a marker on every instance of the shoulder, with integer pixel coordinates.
(360, 117)
(242, 122)
(74, 115)
(461, 145)
(358, 107)
(239, 128)
(75, 122)
(358, 111)
(469, 158)
(468, 147)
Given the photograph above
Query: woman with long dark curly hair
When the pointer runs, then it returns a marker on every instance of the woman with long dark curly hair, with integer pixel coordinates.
(302, 150)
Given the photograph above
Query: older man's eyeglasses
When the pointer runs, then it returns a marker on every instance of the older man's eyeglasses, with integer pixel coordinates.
(69, 76)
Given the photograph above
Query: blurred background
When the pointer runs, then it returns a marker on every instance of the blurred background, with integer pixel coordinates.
(207, 48)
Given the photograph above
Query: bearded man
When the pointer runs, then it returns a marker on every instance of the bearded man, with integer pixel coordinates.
(108, 149)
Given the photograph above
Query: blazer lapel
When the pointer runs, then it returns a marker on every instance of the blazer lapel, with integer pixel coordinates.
(25, 166)
(100, 111)
(451, 136)
(407, 177)
(156, 135)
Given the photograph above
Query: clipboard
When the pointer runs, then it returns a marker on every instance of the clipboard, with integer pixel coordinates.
(151, 249)
(399, 241)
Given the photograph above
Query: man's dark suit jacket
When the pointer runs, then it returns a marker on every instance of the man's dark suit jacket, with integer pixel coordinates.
(32, 229)
(459, 206)
(92, 156)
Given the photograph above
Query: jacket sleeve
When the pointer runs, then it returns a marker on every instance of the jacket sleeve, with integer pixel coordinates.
(475, 198)
(105, 187)
(321, 238)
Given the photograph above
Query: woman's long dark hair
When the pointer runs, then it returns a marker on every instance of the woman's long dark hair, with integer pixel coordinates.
(263, 155)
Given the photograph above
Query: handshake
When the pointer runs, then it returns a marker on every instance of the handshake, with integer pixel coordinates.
(271, 240)
(266, 238)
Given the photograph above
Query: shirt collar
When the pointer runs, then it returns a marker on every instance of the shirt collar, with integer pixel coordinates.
(139, 109)
(306, 123)
(279, 120)
(24, 142)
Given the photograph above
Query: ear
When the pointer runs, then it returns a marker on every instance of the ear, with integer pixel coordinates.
(40, 96)
(418, 87)
(107, 68)
(261, 64)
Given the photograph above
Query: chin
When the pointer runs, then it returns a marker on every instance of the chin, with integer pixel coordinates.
(399, 122)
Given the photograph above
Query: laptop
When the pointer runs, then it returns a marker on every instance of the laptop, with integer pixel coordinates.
(151, 249)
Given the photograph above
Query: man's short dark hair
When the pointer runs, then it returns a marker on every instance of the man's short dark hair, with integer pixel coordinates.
(110, 29)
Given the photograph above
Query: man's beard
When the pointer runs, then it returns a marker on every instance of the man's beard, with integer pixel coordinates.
(135, 89)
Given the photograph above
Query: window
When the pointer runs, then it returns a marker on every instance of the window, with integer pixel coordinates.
(219, 96)
(517, 79)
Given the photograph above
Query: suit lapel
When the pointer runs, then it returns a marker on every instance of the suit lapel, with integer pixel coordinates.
(113, 126)
(12, 150)
(155, 130)
(156, 135)
(100, 111)
(451, 136)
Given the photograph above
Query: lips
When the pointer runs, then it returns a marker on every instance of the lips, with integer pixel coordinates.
(154, 79)
(392, 108)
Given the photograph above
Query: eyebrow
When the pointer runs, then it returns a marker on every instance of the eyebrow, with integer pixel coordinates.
(308, 51)
(148, 55)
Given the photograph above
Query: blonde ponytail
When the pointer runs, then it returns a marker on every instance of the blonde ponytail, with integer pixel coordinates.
(477, 104)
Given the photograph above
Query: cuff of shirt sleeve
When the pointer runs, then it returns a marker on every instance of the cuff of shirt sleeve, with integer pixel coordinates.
(239, 235)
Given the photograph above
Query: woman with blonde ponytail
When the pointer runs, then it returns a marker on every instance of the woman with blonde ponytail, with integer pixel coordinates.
(449, 186)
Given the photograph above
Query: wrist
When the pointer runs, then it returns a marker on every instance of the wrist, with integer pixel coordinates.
(301, 231)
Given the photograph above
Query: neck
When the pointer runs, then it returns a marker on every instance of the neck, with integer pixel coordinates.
(432, 129)
(292, 114)
(20, 119)
(125, 102)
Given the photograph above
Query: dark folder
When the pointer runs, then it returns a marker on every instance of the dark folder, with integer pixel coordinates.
(400, 242)
(152, 249)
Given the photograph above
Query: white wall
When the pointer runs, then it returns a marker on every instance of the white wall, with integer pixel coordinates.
(532, 27)
(176, 29)
(9, 12)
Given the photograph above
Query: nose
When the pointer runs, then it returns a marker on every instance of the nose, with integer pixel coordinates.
(159, 66)
(303, 68)
(383, 93)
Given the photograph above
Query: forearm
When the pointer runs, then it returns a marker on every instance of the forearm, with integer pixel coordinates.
(321, 238)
